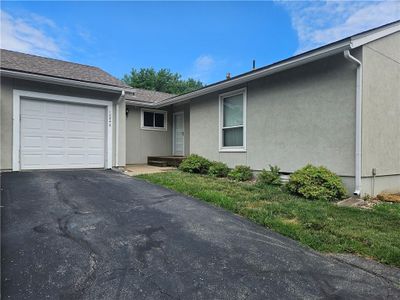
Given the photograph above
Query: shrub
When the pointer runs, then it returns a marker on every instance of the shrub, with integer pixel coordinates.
(314, 183)
(195, 164)
(218, 169)
(241, 173)
(270, 177)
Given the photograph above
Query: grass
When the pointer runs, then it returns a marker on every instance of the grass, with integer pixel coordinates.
(323, 226)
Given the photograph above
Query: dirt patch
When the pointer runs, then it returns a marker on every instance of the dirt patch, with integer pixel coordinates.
(389, 197)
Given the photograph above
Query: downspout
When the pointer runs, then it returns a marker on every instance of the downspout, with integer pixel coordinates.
(121, 98)
(358, 161)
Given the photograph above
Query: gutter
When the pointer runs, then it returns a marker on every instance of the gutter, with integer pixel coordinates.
(121, 98)
(62, 81)
(358, 160)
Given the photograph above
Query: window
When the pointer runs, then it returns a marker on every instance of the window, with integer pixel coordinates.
(233, 121)
(154, 119)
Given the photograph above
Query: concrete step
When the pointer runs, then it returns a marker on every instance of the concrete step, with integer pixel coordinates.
(171, 161)
(157, 163)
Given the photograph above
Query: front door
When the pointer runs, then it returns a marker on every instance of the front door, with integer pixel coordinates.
(179, 134)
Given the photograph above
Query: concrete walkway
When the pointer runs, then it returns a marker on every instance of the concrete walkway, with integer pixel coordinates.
(134, 170)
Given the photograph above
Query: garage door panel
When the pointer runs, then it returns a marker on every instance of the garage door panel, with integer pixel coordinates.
(94, 159)
(95, 143)
(55, 160)
(31, 123)
(95, 127)
(31, 160)
(96, 114)
(76, 142)
(61, 135)
(55, 108)
(55, 125)
(32, 142)
(75, 126)
(55, 142)
(32, 107)
(77, 159)
(76, 112)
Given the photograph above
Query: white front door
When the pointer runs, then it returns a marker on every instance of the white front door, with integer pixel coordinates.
(56, 135)
(178, 134)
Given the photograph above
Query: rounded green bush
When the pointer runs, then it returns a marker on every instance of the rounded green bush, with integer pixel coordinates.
(316, 183)
(195, 164)
(241, 173)
(218, 169)
(272, 176)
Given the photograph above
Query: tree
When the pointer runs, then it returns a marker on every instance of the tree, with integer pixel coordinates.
(162, 81)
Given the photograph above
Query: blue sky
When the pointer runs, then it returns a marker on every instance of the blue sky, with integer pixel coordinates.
(203, 40)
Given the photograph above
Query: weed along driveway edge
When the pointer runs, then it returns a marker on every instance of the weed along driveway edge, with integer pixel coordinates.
(94, 234)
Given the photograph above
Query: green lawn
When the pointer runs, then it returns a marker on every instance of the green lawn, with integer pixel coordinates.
(323, 226)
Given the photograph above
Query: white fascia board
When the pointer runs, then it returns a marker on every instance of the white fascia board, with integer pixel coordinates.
(61, 81)
(366, 38)
(288, 64)
(140, 103)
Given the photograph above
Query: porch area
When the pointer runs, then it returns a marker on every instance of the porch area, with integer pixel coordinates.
(165, 161)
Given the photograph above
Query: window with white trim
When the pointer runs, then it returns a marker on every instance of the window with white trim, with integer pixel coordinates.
(154, 119)
(233, 121)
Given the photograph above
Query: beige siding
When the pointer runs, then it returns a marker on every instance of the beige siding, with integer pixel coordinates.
(7, 87)
(141, 143)
(381, 112)
(293, 118)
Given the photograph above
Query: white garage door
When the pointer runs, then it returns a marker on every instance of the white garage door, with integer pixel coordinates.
(56, 135)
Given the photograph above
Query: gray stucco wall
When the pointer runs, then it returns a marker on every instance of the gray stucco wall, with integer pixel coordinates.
(300, 116)
(6, 100)
(141, 143)
(381, 114)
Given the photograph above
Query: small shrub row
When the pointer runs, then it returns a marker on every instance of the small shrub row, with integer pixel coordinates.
(197, 164)
(272, 176)
(311, 182)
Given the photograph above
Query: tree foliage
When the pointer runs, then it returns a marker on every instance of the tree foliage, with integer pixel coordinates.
(162, 81)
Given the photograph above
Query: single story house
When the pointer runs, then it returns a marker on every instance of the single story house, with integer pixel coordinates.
(337, 106)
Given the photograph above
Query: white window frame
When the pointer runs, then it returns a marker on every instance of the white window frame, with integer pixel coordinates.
(153, 111)
(243, 92)
(18, 94)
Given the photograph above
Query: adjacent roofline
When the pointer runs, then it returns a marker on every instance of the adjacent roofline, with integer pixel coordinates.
(62, 81)
(374, 34)
(289, 63)
(352, 42)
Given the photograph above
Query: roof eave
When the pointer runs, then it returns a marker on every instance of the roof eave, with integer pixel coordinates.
(139, 103)
(365, 38)
(61, 81)
(287, 64)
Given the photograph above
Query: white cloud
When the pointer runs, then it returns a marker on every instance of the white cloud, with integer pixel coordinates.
(202, 67)
(321, 22)
(29, 34)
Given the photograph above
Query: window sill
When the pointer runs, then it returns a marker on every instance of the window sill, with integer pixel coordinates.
(153, 128)
(232, 150)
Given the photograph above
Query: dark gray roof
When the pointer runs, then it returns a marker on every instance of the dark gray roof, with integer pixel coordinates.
(32, 64)
(148, 96)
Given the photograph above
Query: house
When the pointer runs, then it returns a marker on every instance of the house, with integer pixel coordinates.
(337, 106)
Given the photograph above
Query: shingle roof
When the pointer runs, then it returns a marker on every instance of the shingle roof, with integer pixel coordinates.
(32, 64)
(146, 95)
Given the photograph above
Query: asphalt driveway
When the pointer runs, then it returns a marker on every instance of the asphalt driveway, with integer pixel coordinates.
(94, 234)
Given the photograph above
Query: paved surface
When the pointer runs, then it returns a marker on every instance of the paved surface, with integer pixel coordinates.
(134, 170)
(102, 235)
